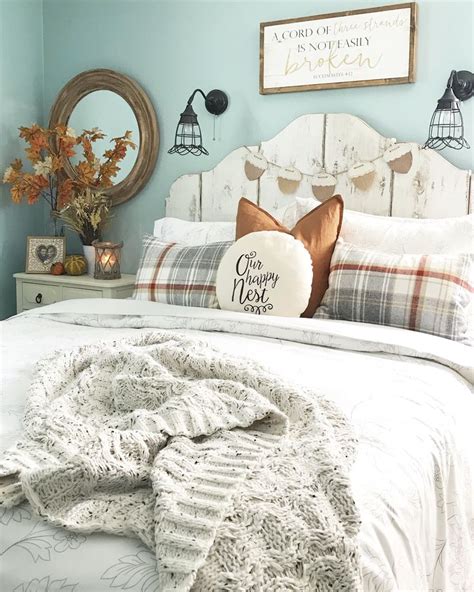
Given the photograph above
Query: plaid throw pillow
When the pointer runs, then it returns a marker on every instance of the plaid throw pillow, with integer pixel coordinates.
(176, 274)
(427, 293)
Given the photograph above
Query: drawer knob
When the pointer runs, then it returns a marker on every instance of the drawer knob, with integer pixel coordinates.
(39, 298)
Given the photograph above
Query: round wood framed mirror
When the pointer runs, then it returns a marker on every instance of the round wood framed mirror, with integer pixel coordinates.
(93, 92)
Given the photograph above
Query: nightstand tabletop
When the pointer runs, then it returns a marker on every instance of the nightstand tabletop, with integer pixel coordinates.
(76, 280)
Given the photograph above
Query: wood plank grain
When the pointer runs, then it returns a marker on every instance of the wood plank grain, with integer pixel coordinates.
(350, 140)
(432, 188)
(223, 186)
(184, 201)
(300, 145)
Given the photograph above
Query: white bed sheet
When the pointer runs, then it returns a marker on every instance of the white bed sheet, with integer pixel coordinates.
(412, 479)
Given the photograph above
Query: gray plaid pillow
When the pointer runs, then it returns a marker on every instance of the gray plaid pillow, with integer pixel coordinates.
(175, 274)
(427, 293)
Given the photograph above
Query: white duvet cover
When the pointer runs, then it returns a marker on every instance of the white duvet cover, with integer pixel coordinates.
(408, 395)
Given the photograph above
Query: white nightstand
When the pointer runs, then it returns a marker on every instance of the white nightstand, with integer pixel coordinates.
(38, 289)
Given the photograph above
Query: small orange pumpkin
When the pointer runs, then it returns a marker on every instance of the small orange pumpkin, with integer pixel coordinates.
(57, 268)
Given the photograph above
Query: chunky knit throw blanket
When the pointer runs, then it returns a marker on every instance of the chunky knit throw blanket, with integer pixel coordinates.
(237, 479)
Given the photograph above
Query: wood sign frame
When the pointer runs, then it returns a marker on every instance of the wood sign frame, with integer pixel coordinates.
(310, 48)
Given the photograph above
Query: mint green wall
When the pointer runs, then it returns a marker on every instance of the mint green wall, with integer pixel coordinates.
(21, 103)
(174, 46)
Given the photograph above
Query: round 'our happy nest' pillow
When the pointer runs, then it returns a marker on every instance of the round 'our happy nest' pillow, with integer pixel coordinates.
(266, 272)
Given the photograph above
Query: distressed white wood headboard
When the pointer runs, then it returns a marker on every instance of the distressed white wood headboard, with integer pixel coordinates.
(433, 188)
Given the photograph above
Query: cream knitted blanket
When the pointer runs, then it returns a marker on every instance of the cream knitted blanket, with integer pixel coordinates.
(237, 480)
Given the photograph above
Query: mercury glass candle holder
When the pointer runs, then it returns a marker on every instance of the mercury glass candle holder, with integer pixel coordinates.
(107, 260)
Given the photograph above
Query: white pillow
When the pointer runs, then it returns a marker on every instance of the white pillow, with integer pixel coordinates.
(265, 272)
(448, 236)
(192, 234)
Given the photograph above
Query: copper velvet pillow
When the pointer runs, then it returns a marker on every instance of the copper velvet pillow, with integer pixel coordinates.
(318, 231)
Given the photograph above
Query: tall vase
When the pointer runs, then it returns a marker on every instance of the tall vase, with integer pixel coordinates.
(89, 254)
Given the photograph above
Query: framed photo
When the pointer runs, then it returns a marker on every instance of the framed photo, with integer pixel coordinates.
(367, 47)
(43, 251)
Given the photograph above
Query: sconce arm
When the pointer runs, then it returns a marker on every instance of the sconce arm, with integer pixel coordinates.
(191, 98)
(216, 101)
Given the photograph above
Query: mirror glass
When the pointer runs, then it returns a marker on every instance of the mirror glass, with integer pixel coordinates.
(113, 116)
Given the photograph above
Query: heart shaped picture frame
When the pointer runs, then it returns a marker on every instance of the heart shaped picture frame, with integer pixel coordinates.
(43, 251)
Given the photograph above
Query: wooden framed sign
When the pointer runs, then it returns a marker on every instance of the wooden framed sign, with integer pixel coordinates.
(366, 47)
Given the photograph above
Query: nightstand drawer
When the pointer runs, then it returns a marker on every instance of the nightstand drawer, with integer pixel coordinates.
(34, 290)
(70, 292)
(35, 295)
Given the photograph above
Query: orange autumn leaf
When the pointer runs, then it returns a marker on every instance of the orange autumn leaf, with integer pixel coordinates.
(15, 193)
(88, 151)
(106, 182)
(107, 171)
(11, 176)
(109, 154)
(85, 173)
(28, 185)
(38, 140)
(50, 149)
(27, 133)
(13, 172)
(34, 186)
(56, 163)
(94, 134)
(66, 146)
(33, 154)
(126, 139)
(65, 190)
(17, 165)
(34, 151)
(60, 129)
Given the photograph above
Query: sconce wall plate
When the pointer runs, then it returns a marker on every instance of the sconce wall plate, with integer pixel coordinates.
(216, 102)
(463, 85)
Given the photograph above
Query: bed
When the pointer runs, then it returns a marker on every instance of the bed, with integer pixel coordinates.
(409, 396)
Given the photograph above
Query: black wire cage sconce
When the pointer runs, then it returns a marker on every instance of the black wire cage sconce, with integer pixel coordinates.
(188, 137)
(447, 125)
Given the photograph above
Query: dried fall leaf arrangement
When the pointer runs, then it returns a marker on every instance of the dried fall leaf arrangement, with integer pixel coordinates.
(48, 150)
